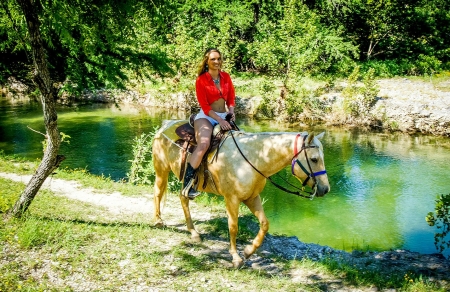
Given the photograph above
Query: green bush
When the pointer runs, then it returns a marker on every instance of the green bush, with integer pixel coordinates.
(428, 65)
(424, 65)
(142, 170)
(359, 99)
(441, 219)
(269, 105)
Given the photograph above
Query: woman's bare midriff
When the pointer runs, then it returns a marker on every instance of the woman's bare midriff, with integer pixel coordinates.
(219, 106)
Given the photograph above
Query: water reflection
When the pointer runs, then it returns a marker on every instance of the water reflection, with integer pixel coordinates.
(382, 185)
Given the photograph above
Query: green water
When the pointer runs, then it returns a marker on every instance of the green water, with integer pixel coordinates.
(382, 186)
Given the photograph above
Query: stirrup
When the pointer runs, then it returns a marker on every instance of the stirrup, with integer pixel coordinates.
(189, 192)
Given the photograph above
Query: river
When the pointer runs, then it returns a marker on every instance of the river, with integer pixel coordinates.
(382, 185)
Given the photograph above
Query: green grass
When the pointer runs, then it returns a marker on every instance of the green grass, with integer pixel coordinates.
(14, 164)
(66, 245)
(440, 81)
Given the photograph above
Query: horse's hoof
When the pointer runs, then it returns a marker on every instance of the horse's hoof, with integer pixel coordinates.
(248, 251)
(159, 224)
(196, 238)
(237, 263)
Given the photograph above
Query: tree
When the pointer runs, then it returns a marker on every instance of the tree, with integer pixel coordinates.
(51, 159)
(92, 44)
(299, 45)
(390, 29)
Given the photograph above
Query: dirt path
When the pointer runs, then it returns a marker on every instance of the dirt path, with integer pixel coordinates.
(114, 202)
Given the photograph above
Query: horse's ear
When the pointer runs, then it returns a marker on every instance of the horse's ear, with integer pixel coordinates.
(310, 138)
(320, 136)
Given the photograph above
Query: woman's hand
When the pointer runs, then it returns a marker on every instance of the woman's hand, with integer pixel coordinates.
(231, 111)
(224, 125)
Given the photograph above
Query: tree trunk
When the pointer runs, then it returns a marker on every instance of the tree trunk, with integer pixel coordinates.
(51, 159)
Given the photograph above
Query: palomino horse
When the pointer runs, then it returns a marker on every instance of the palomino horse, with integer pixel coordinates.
(238, 179)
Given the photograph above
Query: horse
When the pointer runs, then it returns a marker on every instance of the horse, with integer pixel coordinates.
(238, 171)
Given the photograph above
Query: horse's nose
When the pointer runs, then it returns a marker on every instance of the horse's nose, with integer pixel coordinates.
(322, 190)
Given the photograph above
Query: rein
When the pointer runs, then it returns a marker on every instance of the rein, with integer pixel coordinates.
(310, 174)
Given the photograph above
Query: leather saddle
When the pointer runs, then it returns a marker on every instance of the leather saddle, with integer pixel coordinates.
(187, 142)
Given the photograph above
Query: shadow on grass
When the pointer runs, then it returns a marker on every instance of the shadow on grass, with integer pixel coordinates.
(282, 255)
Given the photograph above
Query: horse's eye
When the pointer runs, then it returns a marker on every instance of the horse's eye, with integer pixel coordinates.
(314, 160)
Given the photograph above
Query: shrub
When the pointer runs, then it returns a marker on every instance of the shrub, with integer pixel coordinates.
(427, 65)
(358, 100)
(269, 105)
(441, 219)
(142, 170)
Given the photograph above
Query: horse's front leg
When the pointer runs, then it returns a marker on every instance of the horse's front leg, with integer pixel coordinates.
(187, 214)
(256, 207)
(233, 212)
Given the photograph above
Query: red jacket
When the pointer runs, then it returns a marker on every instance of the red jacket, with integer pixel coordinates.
(207, 92)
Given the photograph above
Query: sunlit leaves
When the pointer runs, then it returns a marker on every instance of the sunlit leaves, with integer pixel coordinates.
(103, 43)
(299, 44)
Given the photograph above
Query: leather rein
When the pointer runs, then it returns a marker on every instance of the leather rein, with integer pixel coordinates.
(310, 174)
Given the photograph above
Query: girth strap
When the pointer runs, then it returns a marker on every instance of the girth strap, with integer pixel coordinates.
(183, 159)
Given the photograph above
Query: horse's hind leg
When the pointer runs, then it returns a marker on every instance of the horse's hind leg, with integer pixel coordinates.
(187, 214)
(257, 209)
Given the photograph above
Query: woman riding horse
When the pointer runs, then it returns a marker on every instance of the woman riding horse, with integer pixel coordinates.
(215, 93)
(239, 172)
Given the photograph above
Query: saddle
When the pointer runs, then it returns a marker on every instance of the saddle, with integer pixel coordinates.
(187, 142)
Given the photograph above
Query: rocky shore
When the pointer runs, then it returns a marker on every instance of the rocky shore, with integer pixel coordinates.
(433, 266)
(414, 106)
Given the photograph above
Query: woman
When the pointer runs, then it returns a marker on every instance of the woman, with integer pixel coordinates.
(215, 94)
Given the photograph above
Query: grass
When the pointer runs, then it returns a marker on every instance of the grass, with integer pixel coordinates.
(440, 81)
(66, 245)
(14, 164)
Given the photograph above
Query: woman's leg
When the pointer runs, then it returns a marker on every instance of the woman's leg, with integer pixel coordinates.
(203, 130)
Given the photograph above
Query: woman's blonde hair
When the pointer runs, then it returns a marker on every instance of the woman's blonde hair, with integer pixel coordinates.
(203, 67)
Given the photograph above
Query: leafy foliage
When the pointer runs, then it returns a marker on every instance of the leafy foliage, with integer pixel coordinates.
(359, 99)
(300, 45)
(390, 30)
(91, 45)
(441, 219)
(106, 44)
(142, 170)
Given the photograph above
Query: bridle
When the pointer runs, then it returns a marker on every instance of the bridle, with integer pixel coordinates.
(310, 174)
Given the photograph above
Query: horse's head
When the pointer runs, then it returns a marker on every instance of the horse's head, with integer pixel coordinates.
(309, 166)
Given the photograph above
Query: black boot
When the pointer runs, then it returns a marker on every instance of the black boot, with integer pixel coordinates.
(188, 190)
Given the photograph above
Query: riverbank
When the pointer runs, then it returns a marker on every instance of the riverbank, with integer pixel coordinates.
(409, 105)
(104, 258)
